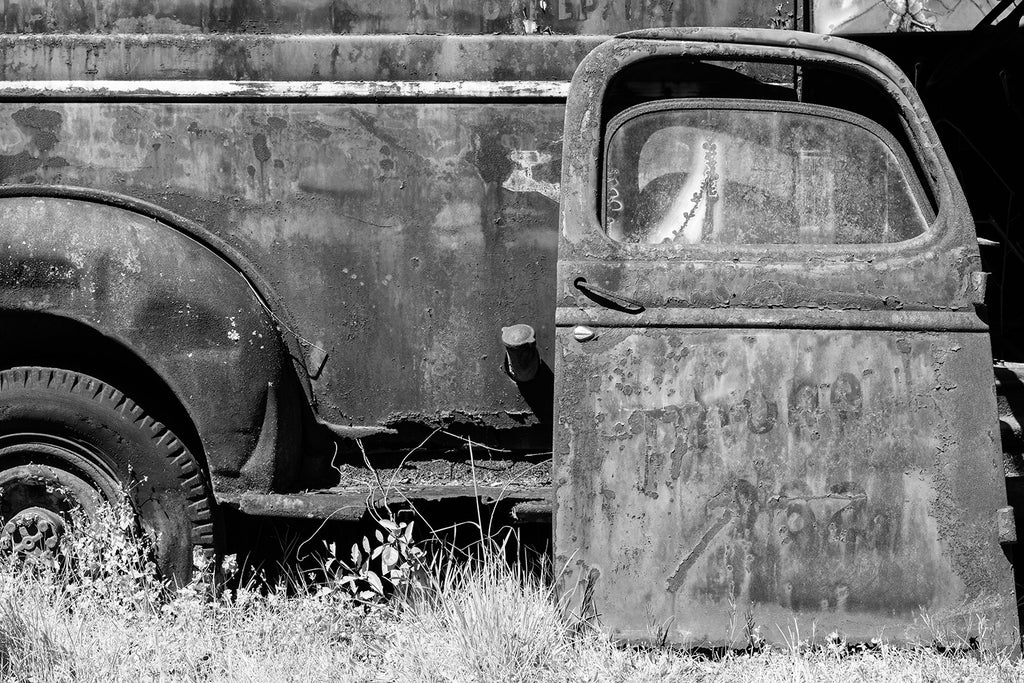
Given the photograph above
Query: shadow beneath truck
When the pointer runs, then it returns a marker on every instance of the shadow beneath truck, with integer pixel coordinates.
(306, 554)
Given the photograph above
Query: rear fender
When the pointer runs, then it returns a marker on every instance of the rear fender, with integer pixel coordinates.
(177, 305)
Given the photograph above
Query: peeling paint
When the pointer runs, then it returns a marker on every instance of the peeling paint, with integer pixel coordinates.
(522, 178)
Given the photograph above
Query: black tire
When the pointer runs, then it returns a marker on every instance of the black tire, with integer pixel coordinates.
(66, 428)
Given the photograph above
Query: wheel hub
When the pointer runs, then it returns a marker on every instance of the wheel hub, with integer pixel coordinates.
(32, 531)
(43, 482)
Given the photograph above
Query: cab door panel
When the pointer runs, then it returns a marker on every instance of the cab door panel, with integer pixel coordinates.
(804, 478)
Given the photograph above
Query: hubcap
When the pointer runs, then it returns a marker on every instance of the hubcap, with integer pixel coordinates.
(43, 481)
(33, 531)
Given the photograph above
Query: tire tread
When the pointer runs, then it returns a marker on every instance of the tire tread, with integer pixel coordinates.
(177, 457)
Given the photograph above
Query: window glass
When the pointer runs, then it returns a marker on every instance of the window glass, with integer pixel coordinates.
(733, 176)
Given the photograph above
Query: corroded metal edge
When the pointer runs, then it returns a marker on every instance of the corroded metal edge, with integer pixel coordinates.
(352, 505)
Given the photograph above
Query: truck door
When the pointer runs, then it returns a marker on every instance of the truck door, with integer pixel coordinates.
(774, 395)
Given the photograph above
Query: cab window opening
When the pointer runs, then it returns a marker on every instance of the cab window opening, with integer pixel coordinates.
(756, 173)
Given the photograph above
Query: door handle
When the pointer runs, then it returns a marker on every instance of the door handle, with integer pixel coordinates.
(608, 298)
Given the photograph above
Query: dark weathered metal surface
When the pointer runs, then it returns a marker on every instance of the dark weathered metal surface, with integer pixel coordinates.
(168, 299)
(758, 447)
(399, 237)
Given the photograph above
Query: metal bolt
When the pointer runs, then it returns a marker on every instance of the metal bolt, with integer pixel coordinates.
(583, 334)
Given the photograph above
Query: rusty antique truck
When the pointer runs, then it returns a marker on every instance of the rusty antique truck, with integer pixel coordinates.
(255, 255)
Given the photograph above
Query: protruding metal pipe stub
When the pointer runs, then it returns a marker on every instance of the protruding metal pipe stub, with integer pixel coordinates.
(522, 359)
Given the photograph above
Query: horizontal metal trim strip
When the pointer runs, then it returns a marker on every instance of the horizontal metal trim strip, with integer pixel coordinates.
(811, 318)
(203, 89)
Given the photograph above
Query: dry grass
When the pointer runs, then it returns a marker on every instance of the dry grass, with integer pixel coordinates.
(109, 620)
(492, 622)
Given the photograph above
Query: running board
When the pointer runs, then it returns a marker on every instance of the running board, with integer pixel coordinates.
(526, 504)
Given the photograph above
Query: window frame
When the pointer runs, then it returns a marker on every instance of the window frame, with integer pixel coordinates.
(929, 211)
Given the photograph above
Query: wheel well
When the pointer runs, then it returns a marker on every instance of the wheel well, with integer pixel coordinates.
(30, 338)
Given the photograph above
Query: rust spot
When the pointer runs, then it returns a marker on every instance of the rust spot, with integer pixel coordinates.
(41, 124)
(260, 148)
(44, 272)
